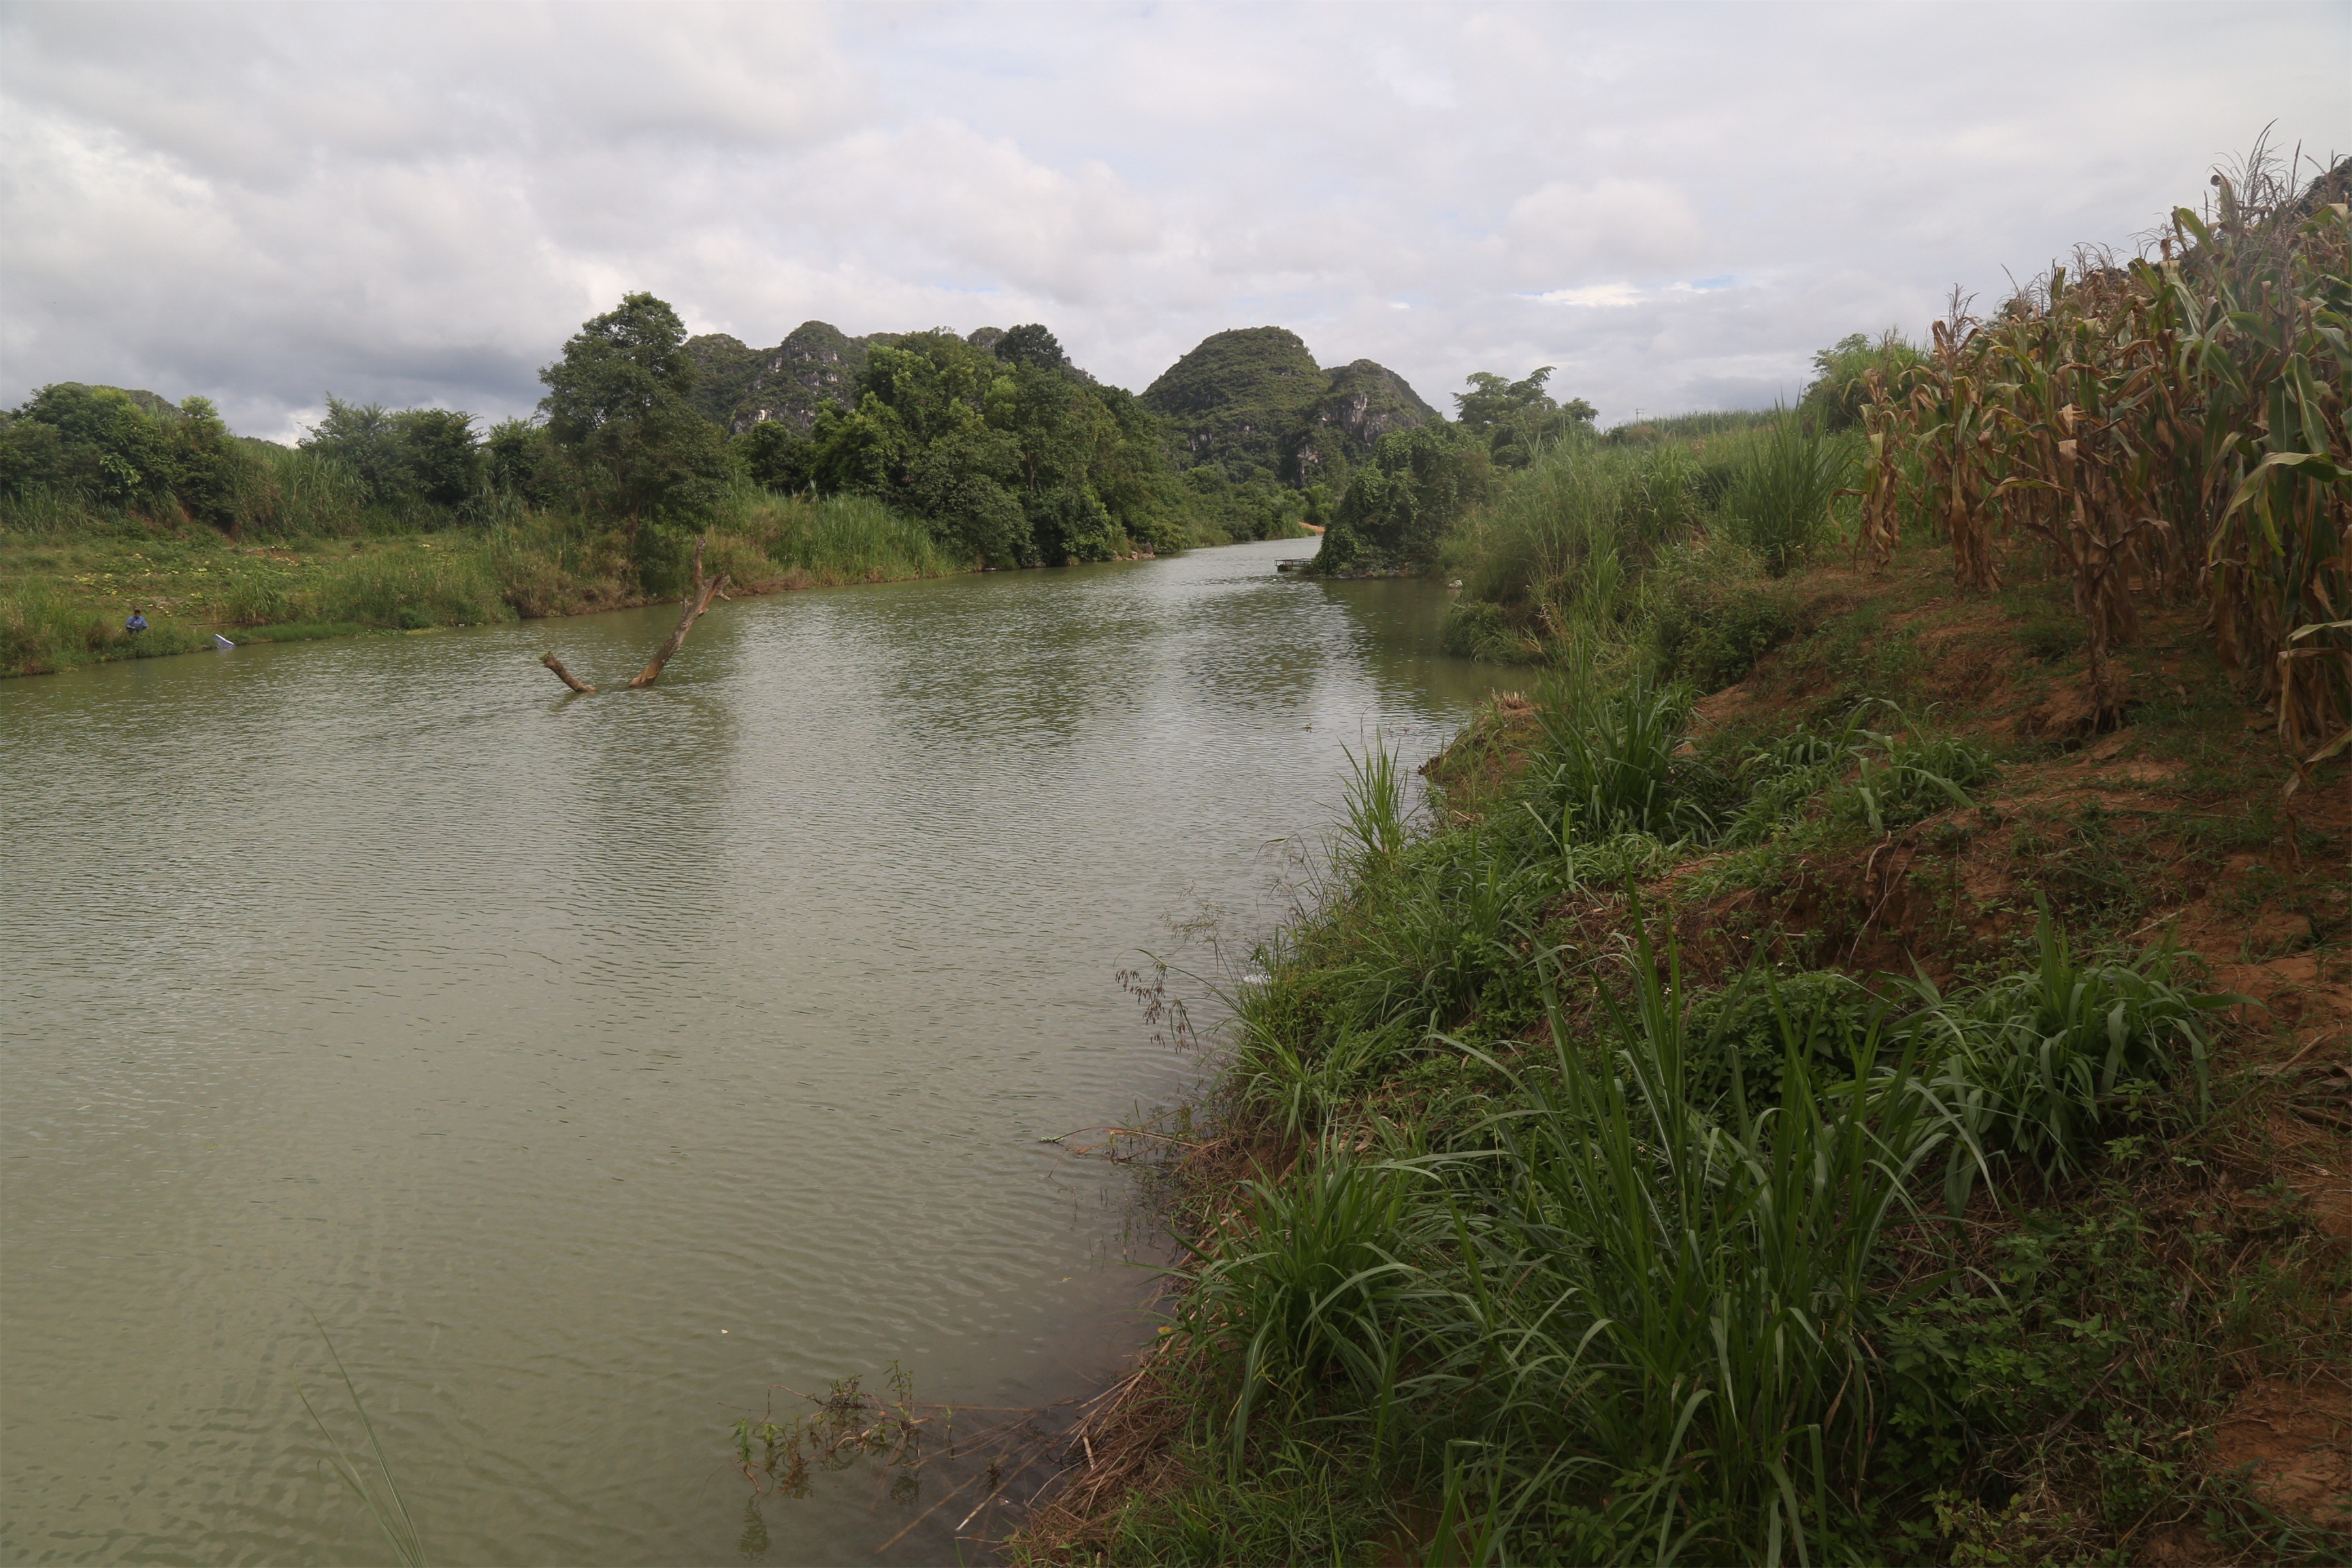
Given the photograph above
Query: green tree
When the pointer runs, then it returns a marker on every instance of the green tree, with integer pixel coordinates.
(521, 461)
(1031, 344)
(440, 454)
(211, 473)
(360, 439)
(777, 454)
(1013, 458)
(100, 444)
(1418, 484)
(1840, 386)
(1516, 419)
(617, 406)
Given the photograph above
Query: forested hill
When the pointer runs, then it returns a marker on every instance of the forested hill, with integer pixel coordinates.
(1253, 402)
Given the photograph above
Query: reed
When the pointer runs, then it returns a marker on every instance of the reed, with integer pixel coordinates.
(378, 1492)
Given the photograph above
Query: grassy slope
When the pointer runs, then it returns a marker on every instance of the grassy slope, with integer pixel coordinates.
(2139, 1361)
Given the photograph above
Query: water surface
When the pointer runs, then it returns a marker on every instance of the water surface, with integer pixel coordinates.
(531, 1041)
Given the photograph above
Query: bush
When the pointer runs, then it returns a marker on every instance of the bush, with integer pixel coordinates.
(1711, 631)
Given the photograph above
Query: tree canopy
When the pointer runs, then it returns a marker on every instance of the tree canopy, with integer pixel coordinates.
(1012, 457)
(1417, 484)
(1515, 419)
(128, 449)
(618, 406)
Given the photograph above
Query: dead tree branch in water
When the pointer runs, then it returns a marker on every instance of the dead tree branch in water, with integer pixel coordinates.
(563, 675)
(699, 594)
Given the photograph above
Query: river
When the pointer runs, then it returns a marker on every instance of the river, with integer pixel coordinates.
(588, 1065)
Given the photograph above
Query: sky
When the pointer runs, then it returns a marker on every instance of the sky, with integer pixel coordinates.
(1674, 205)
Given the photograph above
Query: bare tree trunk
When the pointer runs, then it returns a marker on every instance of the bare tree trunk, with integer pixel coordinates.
(697, 599)
(566, 676)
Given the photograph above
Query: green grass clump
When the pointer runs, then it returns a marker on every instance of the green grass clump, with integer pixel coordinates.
(2033, 1065)
(1780, 502)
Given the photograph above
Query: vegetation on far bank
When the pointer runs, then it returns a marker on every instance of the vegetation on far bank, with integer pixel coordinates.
(1850, 1064)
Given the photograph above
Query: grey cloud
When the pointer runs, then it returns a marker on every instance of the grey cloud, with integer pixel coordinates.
(419, 203)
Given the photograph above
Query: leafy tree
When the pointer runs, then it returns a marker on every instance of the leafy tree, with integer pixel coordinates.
(1515, 419)
(617, 406)
(358, 438)
(210, 471)
(777, 454)
(93, 440)
(1841, 384)
(440, 456)
(1030, 346)
(427, 456)
(521, 461)
(1418, 484)
(1012, 457)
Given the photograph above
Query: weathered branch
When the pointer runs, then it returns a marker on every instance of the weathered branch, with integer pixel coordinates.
(566, 676)
(697, 599)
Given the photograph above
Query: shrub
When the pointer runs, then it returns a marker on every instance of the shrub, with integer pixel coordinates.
(1710, 632)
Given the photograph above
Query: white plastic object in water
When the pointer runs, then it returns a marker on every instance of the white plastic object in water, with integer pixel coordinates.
(222, 643)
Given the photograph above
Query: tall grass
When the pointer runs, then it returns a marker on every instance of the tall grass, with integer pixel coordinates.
(1621, 1294)
(827, 540)
(1658, 550)
(1661, 1314)
(1781, 494)
(41, 628)
(1607, 763)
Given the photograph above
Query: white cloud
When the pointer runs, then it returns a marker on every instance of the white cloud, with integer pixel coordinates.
(418, 203)
(1595, 296)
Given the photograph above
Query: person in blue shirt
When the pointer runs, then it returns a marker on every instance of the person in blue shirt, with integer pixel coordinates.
(136, 624)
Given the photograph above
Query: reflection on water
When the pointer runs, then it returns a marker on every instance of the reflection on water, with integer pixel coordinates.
(588, 1065)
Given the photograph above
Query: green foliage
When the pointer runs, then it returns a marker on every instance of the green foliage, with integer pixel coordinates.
(1878, 780)
(92, 440)
(724, 371)
(1710, 630)
(1306, 1291)
(416, 455)
(1780, 500)
(1660, 1316)
(617, 410)
(1740, 1034)
(1518, 419)
(1032, 345)
(1012, 457)
(74, 449)
(2033, 1065)
(1416, 485)
(1841, 388)
(1608, 765)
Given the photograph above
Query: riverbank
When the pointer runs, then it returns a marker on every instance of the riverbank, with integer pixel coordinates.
(1884, 1108)
(68, 593)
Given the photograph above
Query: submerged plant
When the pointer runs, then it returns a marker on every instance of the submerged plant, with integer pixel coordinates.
(380, 1493)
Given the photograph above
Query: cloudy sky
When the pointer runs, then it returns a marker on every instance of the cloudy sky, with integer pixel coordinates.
(1674, 204)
